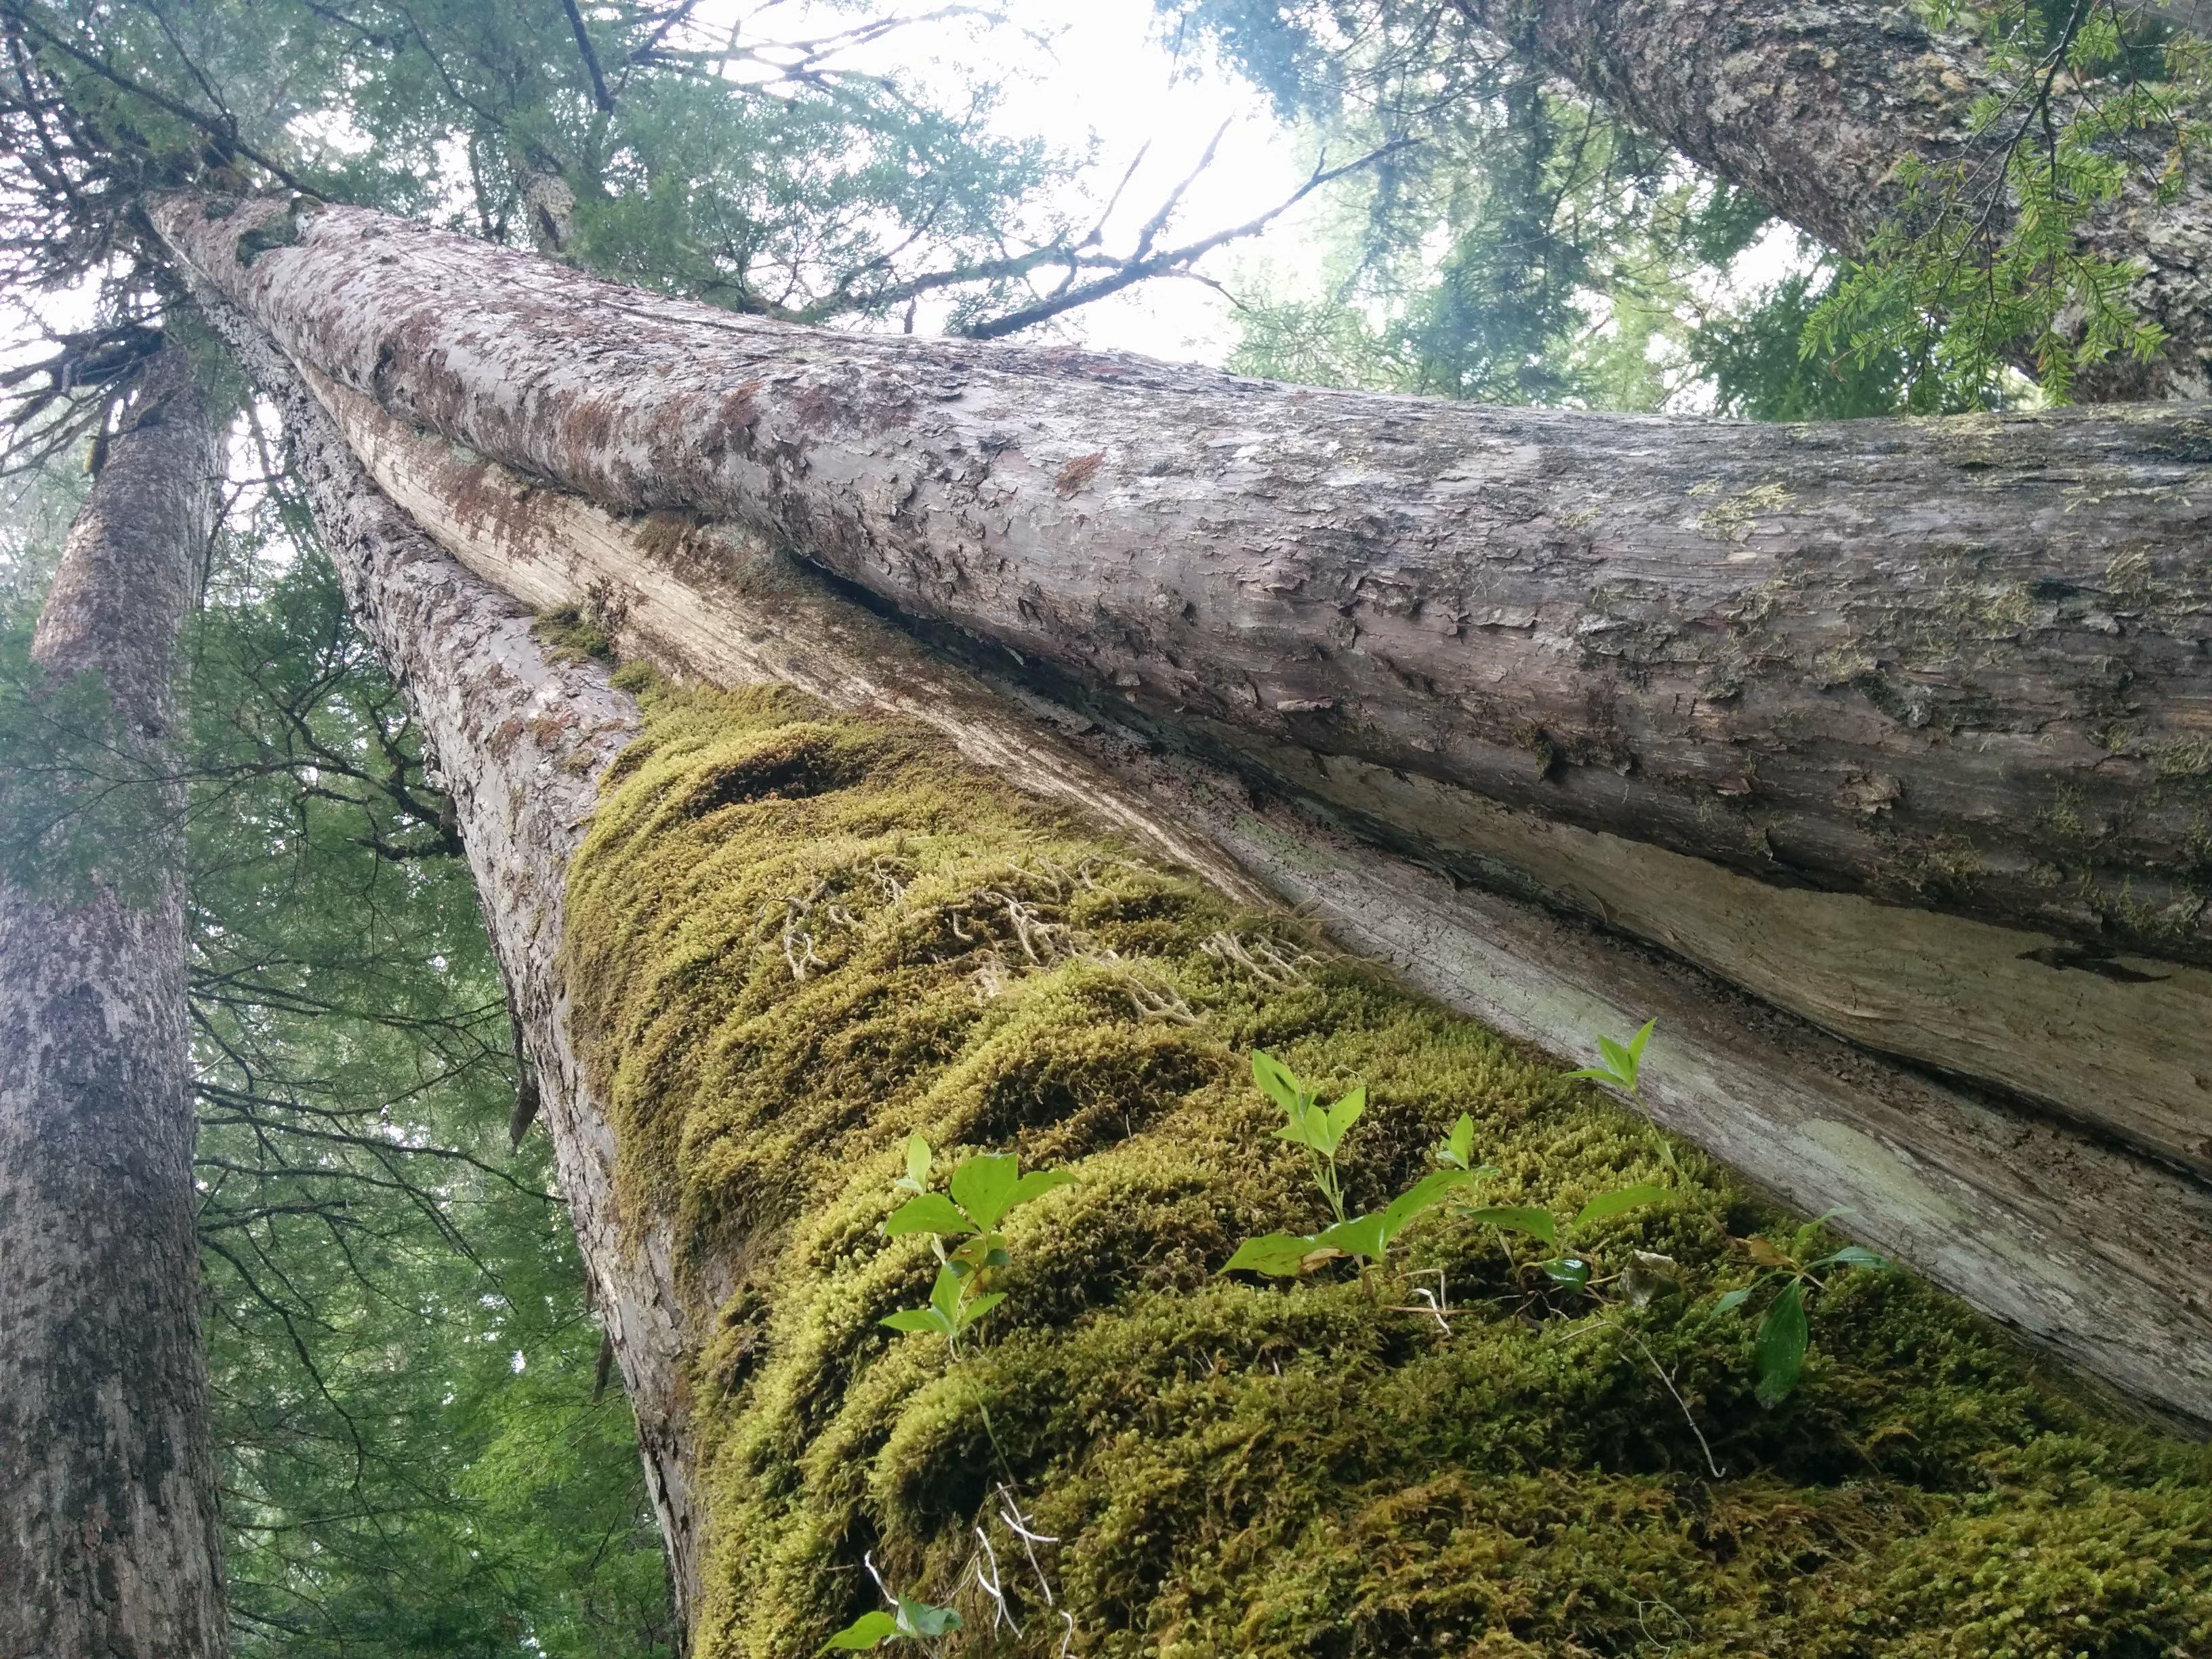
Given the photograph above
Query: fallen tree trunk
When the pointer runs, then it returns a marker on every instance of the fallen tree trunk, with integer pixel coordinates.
(792, 933)
(108, 1540)
(2016, 1216)
(1955, 665)
(1814, 108)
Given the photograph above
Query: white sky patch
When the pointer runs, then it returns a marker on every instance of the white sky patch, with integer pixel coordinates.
(1093, 78)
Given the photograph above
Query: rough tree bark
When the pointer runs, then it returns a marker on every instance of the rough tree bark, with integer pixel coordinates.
(1798, 1111)
(2004, 1208)
(1956, 665)
(1811, 108)
(110, 1544)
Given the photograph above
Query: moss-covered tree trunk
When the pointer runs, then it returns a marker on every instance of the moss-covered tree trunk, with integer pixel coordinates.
(772, 937)
(1813, 109)
(108, 1540)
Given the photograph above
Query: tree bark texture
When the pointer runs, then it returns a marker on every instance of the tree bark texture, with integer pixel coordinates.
(520, 739)
(110, 1543)
(1812, 106)
(1958, 664)
(2018, 1215)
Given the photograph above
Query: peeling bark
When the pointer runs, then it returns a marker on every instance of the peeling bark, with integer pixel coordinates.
(520, 739)
(1956, 665)
(2084, 1250)
(108, 1537)
(1811, 105)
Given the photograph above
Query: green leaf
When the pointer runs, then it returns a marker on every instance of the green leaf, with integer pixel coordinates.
(1036, 1183)
(863, 1632)
(1853, 1255)
(932, 1213)
(1347, 1111)
(1783, 1336)
(1734, 1300)
(1599, 1074)
(984, 1185)
(921, 1619)
(1277, 1081)
(1423, 1195)
(1623, 1062)
(1280, 1255)
(1571, 1271)
(1537, 1224)
(1308, 1126)
(917, 1160)
(1636, 1043)
(944, 1295)
(919, 1321)
(1459, 1149)
(1619, 1199)
(971, 1312)
(1362, 1235)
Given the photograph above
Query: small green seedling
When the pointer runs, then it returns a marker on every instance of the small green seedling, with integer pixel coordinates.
(1566, 1267)
(1623, 1061)
(982, 1189)
(908, 1621)
(1321, 1130)
(1785, 1332)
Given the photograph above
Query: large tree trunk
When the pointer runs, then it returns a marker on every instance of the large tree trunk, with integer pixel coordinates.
(795, 1442)
(1719, 684)
(2038, 1247)
(111, 1545)
(1956, 664)
(1813, 108)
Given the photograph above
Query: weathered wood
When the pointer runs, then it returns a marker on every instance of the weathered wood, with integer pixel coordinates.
(1813, 107)
(109, 1538)
(2085, 1251)
(1957, 665)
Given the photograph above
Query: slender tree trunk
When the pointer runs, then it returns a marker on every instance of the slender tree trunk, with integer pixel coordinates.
(1813, 108)
(111, 1545)
(520, 739)
(1955, 665)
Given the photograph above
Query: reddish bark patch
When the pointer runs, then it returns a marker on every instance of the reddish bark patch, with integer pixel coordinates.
(1077, 473)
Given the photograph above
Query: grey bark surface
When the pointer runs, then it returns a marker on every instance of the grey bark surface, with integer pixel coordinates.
(1812, 106)
(108, 1524)
(520, 740)
(1958, 664)
(2083, 1249)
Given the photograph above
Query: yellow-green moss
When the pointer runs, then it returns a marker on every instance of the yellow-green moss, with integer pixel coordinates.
(795, 936)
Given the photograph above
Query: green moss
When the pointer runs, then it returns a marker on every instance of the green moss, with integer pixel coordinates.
(573, 638)
(795, 936)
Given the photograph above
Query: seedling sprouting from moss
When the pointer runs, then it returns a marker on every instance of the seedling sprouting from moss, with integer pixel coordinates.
(1321, 1130)
(1623, 1061)
(1567, 1267)
(910, 1621)
(1785, 1332)
(982, 1189)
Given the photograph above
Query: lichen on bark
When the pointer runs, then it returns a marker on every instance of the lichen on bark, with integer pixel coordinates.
(795, 936)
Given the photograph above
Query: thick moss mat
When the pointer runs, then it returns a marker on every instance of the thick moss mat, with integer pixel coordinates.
(795, 936)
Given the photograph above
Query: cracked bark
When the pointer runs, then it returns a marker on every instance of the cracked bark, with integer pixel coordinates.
(1959, 665)
(1811, 104)
(2015, 1214)
(108, 1538)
